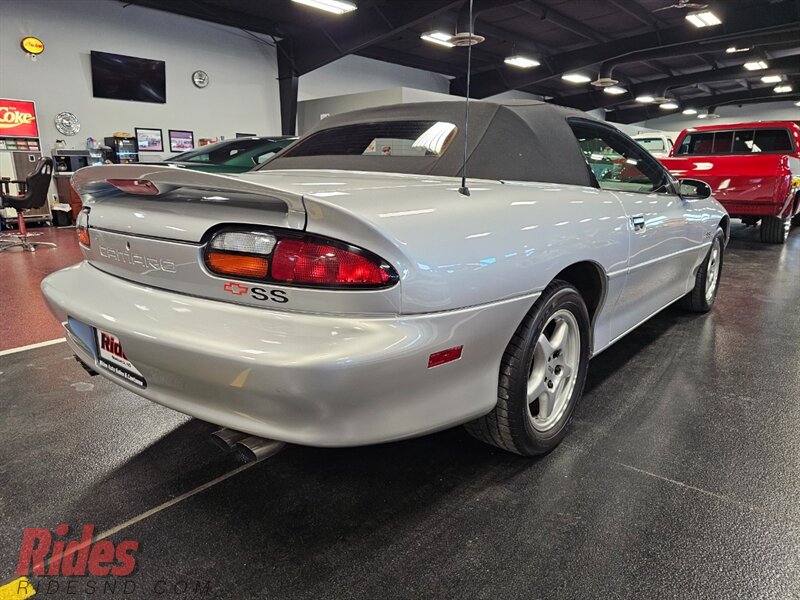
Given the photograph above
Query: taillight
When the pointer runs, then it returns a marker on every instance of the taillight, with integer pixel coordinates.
(306, 261)
(141, 187)
(82, 227)
(240, 253)
(301, 261)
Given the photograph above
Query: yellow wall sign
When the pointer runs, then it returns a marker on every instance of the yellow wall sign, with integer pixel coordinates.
(32, 45)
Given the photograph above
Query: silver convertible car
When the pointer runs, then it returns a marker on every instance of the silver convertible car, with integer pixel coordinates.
(348, 292)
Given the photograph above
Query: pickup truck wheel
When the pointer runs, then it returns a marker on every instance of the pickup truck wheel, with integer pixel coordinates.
(706, 282)
(774, 230)
(542, 374)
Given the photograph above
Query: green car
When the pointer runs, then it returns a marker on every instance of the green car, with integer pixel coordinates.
(231, 156)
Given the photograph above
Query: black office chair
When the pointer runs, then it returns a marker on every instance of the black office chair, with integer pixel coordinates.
(34, 195)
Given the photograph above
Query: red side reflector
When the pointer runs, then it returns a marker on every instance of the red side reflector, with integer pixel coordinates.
(142, 187)
(444, 356)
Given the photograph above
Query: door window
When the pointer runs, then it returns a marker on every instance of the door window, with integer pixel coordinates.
(740, 141)
(617, 162)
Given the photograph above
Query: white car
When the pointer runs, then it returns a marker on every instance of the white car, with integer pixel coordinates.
(348, 292)
(659, 144)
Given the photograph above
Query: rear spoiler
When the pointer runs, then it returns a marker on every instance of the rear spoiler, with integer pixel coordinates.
(158, 180)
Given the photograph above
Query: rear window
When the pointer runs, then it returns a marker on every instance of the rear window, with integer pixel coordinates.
(741, 141)
(386, 138)
(653, 144)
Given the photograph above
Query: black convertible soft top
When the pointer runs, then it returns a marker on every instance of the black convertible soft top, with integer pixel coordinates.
(522, 140)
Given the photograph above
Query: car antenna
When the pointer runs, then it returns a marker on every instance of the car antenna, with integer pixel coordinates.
(468, 39)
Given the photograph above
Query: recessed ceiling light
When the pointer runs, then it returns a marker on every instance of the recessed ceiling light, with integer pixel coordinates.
(755, 65)
(337, 7)
(668, 106)
(523, 62)
(645, 99)
(782, 89)
(735, 49)
(772, 78)
(438, 37)
(576, 78)
(703, 18)
(690, 111)
(614, 90)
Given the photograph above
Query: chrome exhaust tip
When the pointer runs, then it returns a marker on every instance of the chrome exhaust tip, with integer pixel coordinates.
(255, 448)
(227, 438)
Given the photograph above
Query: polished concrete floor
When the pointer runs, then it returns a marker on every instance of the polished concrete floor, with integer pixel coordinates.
(680, 478)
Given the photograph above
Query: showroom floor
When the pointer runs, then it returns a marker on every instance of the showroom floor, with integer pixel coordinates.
(678, 479)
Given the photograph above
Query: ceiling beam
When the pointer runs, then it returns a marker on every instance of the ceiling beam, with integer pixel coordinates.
(358, 30)
(659, 87)
(638, 12)
(756, 95)
(743, 24)
(197, 9)
(560, 19)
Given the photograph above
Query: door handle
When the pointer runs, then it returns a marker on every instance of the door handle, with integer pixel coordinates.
(638, 222)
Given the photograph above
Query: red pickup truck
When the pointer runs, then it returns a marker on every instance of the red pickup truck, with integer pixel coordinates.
(753, 170)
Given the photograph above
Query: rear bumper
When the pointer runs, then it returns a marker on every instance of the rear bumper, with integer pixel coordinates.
(301, 378)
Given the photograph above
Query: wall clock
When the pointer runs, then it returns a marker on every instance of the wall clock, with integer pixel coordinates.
(67, 123)
(200, 79)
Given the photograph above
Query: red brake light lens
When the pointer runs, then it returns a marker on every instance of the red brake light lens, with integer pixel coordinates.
(141, 187)
(312, 262)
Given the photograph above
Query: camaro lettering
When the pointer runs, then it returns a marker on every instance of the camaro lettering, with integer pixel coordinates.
(131, 258)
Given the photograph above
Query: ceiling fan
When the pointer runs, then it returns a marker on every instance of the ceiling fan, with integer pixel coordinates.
(684, 4)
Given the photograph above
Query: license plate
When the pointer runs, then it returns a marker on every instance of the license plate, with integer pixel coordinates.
(111, 357)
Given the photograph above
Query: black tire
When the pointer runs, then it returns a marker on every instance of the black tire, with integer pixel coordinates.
(796, 220)
(774, 230)
(698, 299)
(510, 425)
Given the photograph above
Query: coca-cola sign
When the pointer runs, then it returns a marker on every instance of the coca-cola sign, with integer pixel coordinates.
(18, 119)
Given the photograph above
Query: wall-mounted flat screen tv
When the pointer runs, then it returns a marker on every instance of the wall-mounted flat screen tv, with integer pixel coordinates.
(128, 78)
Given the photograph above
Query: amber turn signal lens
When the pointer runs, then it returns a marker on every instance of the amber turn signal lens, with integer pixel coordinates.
(82, 227)
(250, 267)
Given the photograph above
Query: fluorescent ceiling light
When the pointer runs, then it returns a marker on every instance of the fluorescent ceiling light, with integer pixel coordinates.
(703, 18)
(690, 111)
(614, 90)
(337, 7)
(755, 65)
(576, 78)
(645, 99)
(772, 78)
(438, 37)
(668, 106)
(797, 103)
(523, 62)
(782, 89)
(735, 49)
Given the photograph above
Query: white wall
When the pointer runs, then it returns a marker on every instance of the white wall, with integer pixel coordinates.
(242, 95)
(353, 74)
(769, 111)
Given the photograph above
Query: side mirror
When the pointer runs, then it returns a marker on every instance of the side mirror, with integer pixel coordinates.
(694, 189)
